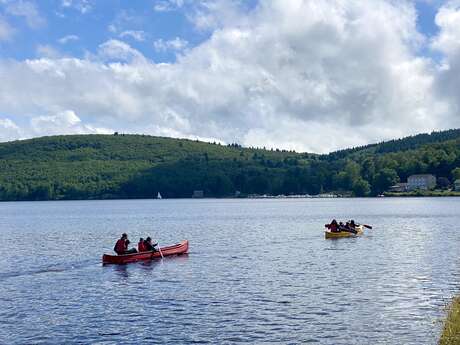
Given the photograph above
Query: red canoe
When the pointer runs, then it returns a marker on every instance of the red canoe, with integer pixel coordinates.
(176, 249)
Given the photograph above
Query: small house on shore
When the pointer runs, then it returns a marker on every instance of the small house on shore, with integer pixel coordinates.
(198, 194)
(422, 182)
(457, 185)
(398, 187)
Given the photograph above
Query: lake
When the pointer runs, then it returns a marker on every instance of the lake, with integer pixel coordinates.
(258, 271)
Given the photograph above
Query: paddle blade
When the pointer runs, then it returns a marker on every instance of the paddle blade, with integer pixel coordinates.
(367, 226)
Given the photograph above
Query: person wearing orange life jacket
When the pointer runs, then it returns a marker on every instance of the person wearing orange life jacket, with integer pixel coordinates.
(141, 245)
(121, 247)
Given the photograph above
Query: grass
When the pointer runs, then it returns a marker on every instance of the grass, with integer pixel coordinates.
(425, 193)
(451, 332)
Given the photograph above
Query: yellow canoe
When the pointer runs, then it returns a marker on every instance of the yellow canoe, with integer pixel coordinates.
(328, 234)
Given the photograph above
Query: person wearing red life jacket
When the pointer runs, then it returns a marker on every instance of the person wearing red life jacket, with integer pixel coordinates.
(141, 245)
(121, 247)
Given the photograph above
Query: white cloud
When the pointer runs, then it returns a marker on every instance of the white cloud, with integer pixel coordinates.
(214, 14)
(448, 20)
(118, 50)
(28, 10)
(167, 5)
(9, 130)
(64, 122)
(6, 31)
(82, 6)
(448, 43)
(123, 19)
(68, 38)
(112, 28)
(175, 44)
(137, 35)
(320, 79)
(48, 51)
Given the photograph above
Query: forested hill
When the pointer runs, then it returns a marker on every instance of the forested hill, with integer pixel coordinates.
(396, 145)
(137, 166)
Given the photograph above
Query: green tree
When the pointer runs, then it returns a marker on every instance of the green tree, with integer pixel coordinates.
(442, 182)
(349, 176)
(456, 174)
(219, 185)
(259, 184)
(384, 179)
(368, 168)
(361, 187)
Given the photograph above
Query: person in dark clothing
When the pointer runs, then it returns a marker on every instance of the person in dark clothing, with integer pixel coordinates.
(334, 227)
(349, 228)
(148, 246)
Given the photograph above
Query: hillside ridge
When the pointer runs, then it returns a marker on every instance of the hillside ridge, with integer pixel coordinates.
(140, 166)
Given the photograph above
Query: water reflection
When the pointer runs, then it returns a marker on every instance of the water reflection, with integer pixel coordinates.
(120, 270)
(124, 271)
(150, 264)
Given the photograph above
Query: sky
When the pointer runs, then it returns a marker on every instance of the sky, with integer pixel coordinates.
(304, 75)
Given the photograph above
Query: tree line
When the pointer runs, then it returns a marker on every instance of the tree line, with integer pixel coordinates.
(137, 166)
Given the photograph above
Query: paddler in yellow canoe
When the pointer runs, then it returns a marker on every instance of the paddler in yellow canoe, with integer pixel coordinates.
(333, 226)
(338, 227)
(350, 226)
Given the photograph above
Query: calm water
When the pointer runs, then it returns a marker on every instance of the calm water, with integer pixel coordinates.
(258, 271)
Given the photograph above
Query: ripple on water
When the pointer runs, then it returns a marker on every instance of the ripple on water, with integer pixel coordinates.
(259, 271)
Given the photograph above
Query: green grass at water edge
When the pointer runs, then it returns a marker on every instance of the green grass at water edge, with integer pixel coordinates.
(451, 331)
(424, 193)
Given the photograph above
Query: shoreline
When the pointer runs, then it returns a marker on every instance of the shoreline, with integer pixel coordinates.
(394, 195)
(451, 331)
(420, 193)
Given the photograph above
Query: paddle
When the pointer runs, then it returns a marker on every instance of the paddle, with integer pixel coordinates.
(159, 249)
(365, 225)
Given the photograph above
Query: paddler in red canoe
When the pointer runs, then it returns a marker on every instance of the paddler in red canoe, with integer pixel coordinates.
(121, 247)
(141, 245)
(148, 246)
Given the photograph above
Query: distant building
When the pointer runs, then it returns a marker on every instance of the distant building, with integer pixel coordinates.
(457, 185)
(198, 194)
(423, 182)
(398, 187)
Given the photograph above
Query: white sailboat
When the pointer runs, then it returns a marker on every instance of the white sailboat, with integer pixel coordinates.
(158, 195)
